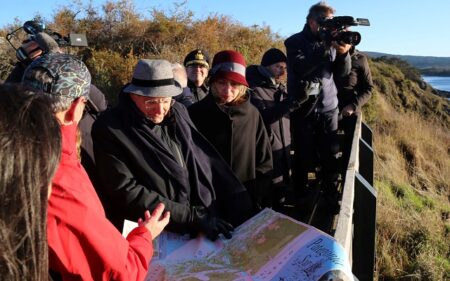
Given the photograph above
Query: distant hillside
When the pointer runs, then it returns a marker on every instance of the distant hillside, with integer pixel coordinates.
(420, 62)
(427, 65)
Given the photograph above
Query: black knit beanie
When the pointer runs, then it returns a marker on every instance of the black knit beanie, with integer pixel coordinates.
(273, 56)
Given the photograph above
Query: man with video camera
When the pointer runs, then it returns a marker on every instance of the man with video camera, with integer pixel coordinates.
(314, 57)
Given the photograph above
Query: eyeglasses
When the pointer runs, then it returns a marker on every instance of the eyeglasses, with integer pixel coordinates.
(153, 102)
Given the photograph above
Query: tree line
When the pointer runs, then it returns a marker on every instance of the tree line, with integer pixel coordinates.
(118, 35)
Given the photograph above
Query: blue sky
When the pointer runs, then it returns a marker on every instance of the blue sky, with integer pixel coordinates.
(413, 27)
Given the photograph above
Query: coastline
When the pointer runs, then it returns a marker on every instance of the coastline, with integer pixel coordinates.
(442, 93)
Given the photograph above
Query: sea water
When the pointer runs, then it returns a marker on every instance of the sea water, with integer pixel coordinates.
(438, 82)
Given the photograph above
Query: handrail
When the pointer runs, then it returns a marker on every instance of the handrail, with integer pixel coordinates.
(343, 232)
(355, 226)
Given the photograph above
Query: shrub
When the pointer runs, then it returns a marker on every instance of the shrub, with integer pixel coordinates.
(110, 71)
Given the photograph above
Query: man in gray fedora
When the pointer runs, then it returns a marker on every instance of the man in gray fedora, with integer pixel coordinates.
(147, 151)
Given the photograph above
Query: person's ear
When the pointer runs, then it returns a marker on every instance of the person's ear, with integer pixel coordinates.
(75, 111)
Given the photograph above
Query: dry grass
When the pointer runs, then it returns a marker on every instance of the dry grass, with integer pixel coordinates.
(412, 169)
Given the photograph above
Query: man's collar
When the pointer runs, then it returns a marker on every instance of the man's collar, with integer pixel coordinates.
(192, 85)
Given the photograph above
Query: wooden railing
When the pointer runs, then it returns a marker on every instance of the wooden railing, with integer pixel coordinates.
(355, 227)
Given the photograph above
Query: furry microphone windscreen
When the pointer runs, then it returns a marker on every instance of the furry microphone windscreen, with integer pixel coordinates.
(46, 43)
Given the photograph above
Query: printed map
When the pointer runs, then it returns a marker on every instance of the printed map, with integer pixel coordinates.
(270, 246)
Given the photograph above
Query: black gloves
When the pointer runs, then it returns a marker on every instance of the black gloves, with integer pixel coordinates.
(210, 225)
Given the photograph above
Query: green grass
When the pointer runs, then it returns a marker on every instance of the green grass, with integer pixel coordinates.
(408, 198)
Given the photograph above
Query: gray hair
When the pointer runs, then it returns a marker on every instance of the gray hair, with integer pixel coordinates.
(179, 74)
(318, 10)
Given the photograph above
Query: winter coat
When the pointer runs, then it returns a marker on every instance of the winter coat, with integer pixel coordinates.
(138, 170)
(275, 106)
(17, 72)
(198, 93)
(308, 58)
(96, 104)
(186, 97)
(83, 244)
(356, 88)
(239, 134)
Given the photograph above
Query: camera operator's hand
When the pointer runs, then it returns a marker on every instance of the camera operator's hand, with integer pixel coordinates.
(210, 225)
(341, 48)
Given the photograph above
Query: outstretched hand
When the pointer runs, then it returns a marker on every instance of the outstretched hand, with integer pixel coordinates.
(155, 222)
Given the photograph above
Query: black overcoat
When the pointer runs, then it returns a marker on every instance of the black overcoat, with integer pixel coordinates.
(239, 134)
(137, 169)
(274, 105)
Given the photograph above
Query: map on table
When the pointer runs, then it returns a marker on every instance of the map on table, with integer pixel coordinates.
(269, 246)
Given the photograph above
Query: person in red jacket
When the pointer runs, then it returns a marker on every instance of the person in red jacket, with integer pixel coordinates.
(83, 244)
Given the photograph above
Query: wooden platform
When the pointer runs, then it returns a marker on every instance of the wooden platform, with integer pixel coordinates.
(312, 207)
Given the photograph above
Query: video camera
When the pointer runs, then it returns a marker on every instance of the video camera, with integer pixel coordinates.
(34, 27)
(339, 24)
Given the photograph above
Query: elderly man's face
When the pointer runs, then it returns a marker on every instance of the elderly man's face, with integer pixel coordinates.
(155, 109)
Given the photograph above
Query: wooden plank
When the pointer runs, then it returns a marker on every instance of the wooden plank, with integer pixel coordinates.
(344, 226)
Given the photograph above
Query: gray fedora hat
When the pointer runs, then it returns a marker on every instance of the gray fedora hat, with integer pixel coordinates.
(153, 78)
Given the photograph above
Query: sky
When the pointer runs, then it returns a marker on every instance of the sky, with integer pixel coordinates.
(413, 27)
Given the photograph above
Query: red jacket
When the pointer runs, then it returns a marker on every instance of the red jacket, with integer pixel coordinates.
(83, 244)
